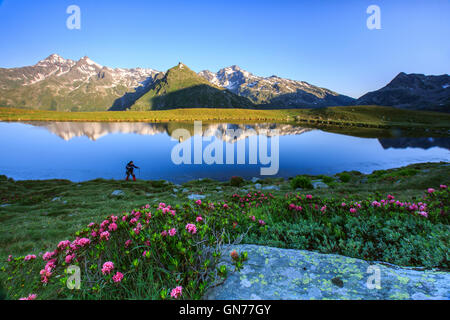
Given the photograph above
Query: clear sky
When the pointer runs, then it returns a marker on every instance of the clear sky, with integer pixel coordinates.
(324, 42)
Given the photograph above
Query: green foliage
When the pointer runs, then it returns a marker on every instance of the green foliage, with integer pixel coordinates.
(390, 233)
(344, 177)
(301, 182)
(236, 181)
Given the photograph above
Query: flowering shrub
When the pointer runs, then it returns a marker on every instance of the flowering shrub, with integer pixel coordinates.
(409, 233)
(255, 199)
(162, 252)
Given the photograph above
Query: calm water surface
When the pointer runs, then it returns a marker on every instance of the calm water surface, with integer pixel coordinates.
(85, 151)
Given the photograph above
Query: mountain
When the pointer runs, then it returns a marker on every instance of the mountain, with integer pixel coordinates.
(412, 91)
(181, 87)
(62, 84)
(274, 91)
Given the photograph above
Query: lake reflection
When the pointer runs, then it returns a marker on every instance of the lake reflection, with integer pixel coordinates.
(85, 151)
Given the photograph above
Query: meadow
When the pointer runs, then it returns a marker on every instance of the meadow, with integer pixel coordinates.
(337, 117)
(151, 242)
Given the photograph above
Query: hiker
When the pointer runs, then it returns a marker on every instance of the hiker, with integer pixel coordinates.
(130, 170)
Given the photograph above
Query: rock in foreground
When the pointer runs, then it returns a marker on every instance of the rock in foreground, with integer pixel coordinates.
(274, 274)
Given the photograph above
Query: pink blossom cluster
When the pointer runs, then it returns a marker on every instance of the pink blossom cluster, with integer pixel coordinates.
(30, 297)
(117, 277)
(30, 257)
(176, 292)
(191, 228)
(107, 267)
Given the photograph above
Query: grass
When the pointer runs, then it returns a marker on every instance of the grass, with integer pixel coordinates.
(44, 212)
(348, 118)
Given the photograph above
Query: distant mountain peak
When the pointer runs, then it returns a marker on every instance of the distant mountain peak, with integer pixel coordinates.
(412, 91)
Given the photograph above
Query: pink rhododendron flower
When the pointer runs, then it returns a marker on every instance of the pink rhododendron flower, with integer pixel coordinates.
(225, 206)
(118, 277)
(172, 232)
(112, 227)
(48, 255)
(308, 196)
(191, 228)
(127, 243)
(104, 224)
(199, 202)
(9, 258)
(343, 204)
(261, 222)
(431, 190)
(164, 233)
(352, 210)
(423, 213)
(30, 257)
(198, 219)
(176, 292)
(30, 297)
(69, 258)
(63, 244)
(107, 267)
(443, 186)
(323, 209)
(105, 235)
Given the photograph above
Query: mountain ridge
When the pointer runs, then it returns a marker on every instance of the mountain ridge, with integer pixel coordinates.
(413, 91)
(59, 84)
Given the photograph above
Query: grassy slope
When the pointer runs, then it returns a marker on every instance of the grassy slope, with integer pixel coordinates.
(181, 86)
(358, 116)
(39, 214)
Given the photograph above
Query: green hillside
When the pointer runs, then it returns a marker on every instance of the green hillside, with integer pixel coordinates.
(181, 87)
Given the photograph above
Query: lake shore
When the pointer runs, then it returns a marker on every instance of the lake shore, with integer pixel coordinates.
(334, 117)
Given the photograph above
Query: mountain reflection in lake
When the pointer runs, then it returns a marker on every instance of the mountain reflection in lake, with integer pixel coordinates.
(85, 151)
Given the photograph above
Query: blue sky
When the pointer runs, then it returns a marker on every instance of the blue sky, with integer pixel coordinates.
(324, 42)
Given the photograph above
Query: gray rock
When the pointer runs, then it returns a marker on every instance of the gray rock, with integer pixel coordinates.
(274, 274)
(117, 193)
(175, 190)
(298, 189)
(319, 184)
(185, 190)
(196, 197)
(56, 199)
(255, 179)
(4, 205)
(257, 186)
(271, 188)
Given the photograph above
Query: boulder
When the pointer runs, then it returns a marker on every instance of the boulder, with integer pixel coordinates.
(117, 193)
(196, 197)
(274, 274)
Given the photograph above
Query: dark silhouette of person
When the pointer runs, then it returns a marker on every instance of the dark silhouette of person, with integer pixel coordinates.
(130, 170)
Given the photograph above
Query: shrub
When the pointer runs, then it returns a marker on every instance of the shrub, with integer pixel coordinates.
(301, 182)
(389, 230)
(236, 181)
(344, 177)
(144, 254)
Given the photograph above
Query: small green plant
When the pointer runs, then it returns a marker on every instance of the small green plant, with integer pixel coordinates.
(301, 182)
